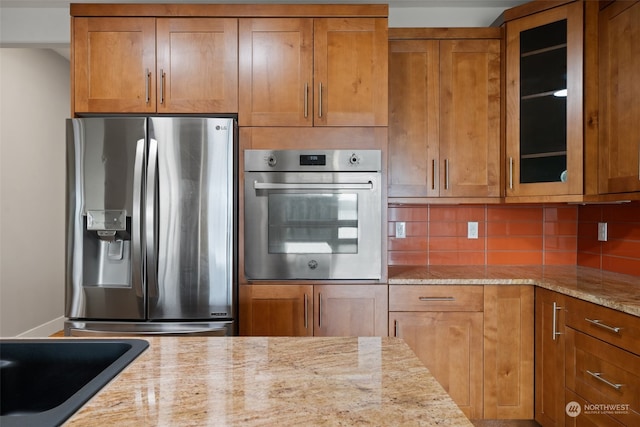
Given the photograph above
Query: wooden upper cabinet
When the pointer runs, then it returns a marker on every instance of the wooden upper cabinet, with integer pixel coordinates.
(114, 62)
(351, 73)
(313, 72)
(197, 65)
(276, 71)
(544, 95)
(146, 65)
(444, 130)
(619, 125)
(470, 118)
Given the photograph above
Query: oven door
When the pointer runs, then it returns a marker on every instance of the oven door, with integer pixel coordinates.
(312, 225)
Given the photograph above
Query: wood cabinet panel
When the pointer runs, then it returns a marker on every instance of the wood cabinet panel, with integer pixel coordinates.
(197, 65)
(313, 72)
(541, 154)
(414, 100)
(276, 71)
(470, 118)
(619, 124)
(612, 326)
(308, 310)
(147, 65)
(549, 357)
(350, 310)
(604, 374)
(444, 133)
(450, 346)
(350, 87)
(276, 310)
(114, 65)
(508, 352)
(436, 298)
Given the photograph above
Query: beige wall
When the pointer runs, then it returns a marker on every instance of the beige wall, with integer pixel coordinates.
(34, 93)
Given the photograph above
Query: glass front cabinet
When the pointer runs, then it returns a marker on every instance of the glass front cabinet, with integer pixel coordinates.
(544, 95)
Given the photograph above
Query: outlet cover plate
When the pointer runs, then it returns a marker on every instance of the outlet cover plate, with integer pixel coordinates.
(401, 230)
(472, 230)
(602, 231)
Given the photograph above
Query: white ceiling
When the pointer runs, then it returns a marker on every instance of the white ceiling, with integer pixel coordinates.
(393, 3)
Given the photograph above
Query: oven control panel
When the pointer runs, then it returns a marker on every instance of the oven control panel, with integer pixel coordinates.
(313, 161)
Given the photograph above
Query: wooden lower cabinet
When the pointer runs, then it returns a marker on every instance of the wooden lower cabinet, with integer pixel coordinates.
(450, 346)
(276, 310)
(350, 310)
(308, 310)
(549, 358)
(443, 325)
(508, 351)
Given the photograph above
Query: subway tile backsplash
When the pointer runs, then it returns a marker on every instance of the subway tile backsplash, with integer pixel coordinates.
(545, 234)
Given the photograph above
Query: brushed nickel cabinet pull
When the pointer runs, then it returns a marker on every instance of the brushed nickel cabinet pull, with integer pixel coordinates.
(434, 165)
(437, 298)
(306, 312)
(320, 100)
(446, 174)
(162, 74)
(147, 83)
(511, 173)
(555, 331)
(599, 323)
(306, 100)
(319, 310)
(598, 375)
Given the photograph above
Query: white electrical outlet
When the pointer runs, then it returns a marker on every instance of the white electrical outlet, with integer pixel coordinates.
(602, 231)
(472, 230)
(401, 230)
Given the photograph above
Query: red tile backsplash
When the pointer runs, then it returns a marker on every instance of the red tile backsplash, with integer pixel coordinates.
(544, 234)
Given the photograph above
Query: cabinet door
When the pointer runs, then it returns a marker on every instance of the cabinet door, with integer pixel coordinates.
(450, 346)
(508, 352)
(549, 358)
(544, 134)
(276, 310)
(470, 118)
(276, 71)
(350, 310)
(351, 73)
(414, 81)
(619, 125)
(197, 65)
(114, 63)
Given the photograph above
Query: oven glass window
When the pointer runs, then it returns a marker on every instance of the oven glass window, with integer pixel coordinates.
(313, 223)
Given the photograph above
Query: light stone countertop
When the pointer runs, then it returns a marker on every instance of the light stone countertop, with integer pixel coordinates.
(258, 381)
(618, 291)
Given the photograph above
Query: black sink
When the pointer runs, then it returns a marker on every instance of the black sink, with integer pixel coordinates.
(43, 382)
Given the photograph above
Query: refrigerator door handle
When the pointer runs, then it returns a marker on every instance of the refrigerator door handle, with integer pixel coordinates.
(150, 220)
(137, 267)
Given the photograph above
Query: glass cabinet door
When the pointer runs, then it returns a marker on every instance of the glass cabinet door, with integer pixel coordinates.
(544, 103)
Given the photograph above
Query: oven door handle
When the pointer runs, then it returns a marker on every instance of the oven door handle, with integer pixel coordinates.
(313, 186)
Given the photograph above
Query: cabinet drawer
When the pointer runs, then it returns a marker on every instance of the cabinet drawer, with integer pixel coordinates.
(612, 326)
(604, 375)
(436, 298)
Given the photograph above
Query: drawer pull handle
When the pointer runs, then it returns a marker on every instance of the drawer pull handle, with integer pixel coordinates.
(555, 332)
(437, 298)
(598, 375)
(603, 325)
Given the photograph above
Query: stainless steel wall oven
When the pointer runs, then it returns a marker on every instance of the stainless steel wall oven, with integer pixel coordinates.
(312, 214)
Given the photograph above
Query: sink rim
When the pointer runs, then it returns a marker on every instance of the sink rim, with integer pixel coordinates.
(60, 413)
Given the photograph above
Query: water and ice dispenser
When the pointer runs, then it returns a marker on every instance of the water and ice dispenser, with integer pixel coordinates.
(107, 242)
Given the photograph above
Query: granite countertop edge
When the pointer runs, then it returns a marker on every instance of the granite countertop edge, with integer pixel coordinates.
(613, 290)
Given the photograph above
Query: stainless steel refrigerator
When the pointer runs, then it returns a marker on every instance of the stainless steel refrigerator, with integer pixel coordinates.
(151, 220)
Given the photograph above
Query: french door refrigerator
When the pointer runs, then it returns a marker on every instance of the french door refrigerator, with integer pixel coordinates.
(151, 220)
